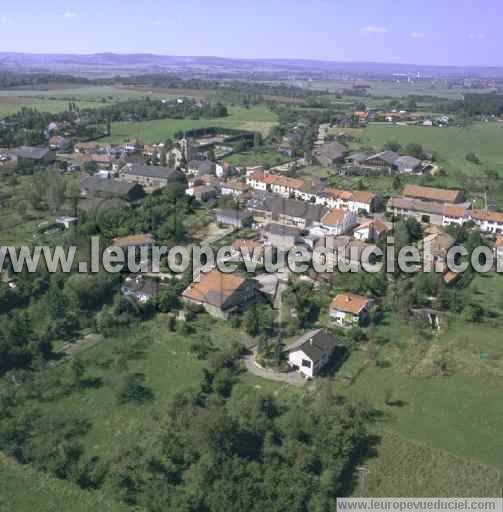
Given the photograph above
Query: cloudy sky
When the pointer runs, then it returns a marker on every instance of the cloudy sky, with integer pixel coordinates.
(458, 32)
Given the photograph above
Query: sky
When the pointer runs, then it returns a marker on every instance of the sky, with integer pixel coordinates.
(443, 32)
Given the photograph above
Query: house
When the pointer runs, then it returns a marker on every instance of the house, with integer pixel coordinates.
(455, 214)
(312, 352)
(372, 231)
(350, 310)
(384, 159)
(281, 236)
(234, 188)
(363, 201)
(331, 154)
(426, 212)
(438, 195)
(232, 217)
(133, 146)
(203, 193)
(435, 246)
(357, 159)
(91, 186)
(356, 201)
(488, 221)
(34, 155)
(408, 165)
(334, 198)
(152, 177)
(336, 222)
(221, 294)
(290, 212)
(141, 288)
(282, 185)
(201, 167)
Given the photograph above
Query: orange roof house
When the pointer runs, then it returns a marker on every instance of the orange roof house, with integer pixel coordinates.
(220, 293)
(349, 309)
(433, 194)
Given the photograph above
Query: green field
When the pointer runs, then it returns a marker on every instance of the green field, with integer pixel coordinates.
(258, 118)
(451, 144)
(11, 104)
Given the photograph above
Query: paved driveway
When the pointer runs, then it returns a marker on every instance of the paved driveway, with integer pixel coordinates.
(293, 378)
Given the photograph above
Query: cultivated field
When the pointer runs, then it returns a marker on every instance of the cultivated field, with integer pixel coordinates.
(55, 98)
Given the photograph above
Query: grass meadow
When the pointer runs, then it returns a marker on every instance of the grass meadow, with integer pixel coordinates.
(258, 118)
(450, 144)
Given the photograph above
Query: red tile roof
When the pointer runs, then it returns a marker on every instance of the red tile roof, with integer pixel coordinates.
(334, 217)
(214, 288)
(350, 303)
(432, 194)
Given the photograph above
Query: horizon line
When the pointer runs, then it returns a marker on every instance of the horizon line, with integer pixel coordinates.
(250, 59)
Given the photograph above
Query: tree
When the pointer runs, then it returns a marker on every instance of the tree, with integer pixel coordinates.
(393, 145)
(133, 389)
(163, 157)
(474, 313)
(167, 300)
(78, 369)
(90, 167)
(257, 140)
(415, 150)
(473, 158)
(258, 319)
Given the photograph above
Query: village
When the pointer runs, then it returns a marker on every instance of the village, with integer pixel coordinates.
(278, 356)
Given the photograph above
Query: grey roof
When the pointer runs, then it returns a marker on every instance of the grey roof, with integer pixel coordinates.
(114, 187)
(294, 208)
(388, 156)
(203, 166)
(407, 162)
(230, 213)
(281, 230)
(416, 205)
(31, 152)
(317, 344)
(358, 157)
(152, 171)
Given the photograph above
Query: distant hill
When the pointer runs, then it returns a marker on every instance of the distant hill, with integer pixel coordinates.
(112, 63)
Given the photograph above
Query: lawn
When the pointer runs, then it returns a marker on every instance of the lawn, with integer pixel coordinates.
(258, 118)
(451, 144)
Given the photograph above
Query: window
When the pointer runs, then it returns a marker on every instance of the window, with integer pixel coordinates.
(306, 363)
